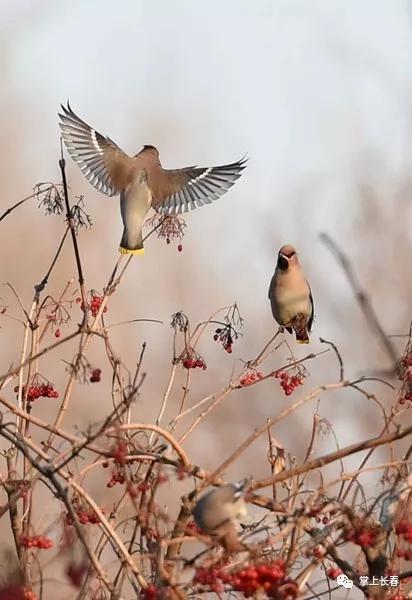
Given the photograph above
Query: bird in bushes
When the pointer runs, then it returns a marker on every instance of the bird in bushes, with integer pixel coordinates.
(290, 295)
(217, 513)
(141, 180)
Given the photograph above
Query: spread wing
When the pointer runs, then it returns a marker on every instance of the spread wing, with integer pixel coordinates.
(102, 162)
(181, 190)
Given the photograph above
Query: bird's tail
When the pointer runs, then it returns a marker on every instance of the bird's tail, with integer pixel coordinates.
(129, 246)
(300, 327)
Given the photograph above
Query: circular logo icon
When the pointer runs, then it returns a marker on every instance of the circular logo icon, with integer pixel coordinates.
(344, 581)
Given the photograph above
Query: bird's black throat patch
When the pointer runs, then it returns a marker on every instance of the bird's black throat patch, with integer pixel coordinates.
(283, 263)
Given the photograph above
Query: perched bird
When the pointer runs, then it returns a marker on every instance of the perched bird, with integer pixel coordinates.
(217, 512)
(141, 180)
(290, 295)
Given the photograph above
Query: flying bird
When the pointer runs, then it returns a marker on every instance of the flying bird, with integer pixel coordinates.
(217, 512)
(290, 295)
(141, 180)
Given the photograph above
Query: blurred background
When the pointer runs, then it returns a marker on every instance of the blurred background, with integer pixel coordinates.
(317, 94)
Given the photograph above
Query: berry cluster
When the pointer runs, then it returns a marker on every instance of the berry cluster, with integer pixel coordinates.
(95, 376)
(39, 389)
(193, 362)
(268, 578)
(289, 382)
(168, 227)
(36, 541)
(404, 529)
(364, 537)
(85, 516)
(407, 397)
(14, 592)
(318, 551)
(94, 303)
(402, 553)
(224, 335)
(405, 362)
(210, 577)
(117, 477)
(250, 378)
(134, 490)
(119, 452)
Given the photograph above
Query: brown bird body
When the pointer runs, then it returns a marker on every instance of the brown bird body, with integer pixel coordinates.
(141, 180)
(217, 513)
(290, 295)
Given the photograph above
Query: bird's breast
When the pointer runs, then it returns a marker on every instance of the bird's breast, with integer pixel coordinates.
(289, 296)
(138, 195)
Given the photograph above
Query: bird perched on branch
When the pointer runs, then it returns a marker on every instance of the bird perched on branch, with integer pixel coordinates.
(141, 180)
(290, 295)
(217, 512)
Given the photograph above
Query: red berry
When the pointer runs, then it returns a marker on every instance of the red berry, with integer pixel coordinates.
(180, 247)
(76, 573)
(151, 592)
(57, 333)
(333, 572)
(365, 539)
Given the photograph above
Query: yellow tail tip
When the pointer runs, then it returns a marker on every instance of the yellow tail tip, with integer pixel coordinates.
(303, 341)
(127, 251)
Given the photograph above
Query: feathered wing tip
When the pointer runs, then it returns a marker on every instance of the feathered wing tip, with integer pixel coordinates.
(100, 159)
(189, 188)
(300, 327)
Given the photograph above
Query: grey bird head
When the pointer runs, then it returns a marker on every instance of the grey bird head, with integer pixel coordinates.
(287, 256)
